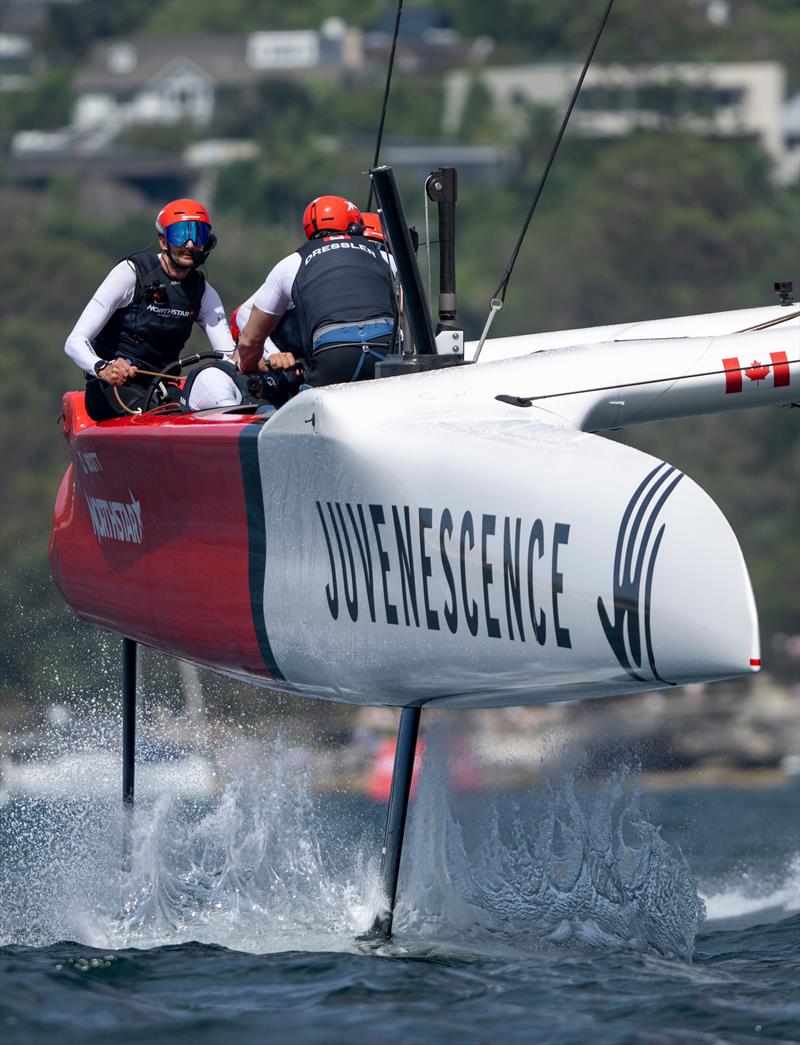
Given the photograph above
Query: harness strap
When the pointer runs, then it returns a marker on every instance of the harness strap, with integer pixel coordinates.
(352, 333)
(366, 351)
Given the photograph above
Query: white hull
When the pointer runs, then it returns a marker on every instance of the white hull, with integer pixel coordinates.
(426, 543)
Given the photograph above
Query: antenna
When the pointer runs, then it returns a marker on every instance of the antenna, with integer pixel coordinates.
(442, 188)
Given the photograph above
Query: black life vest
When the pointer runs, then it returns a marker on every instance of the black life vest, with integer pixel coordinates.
(286, 336)
(341, 279)
(153, 329)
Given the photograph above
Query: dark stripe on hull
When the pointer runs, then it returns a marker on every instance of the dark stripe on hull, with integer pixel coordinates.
(256, 539)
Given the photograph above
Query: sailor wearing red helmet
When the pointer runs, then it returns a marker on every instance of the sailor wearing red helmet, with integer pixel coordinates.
(373, 228)
(341, 286)
(284, 338)
(144, 311)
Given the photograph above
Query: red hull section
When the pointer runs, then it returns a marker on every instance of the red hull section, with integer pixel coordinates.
(178, 581)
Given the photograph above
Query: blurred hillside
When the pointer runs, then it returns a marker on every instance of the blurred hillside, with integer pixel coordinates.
(650, 223)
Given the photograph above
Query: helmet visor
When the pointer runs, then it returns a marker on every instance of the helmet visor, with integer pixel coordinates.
(181, 232)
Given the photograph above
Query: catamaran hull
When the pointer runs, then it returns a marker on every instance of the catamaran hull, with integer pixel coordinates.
(362, 546)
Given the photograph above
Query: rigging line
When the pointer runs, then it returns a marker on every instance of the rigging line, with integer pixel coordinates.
(770, 323)
(503, 285)
(527, 400)
(385, 96)
(499, 296)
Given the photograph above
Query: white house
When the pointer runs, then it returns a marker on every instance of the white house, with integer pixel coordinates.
(16, 57)
(165, 81)
(722, 98)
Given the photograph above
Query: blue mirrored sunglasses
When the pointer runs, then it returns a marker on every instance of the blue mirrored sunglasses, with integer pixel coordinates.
(183, 231)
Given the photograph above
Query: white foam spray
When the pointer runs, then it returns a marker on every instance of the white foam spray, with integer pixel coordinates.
(261, 866)
(752, 899)
(572, 866)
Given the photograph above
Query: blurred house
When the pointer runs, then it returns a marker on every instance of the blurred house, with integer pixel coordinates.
(169, 82)
(731, 99)
(16, 61)
(166, 81)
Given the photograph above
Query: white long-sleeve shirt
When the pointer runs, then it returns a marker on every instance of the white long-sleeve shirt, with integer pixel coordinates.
(117, 291)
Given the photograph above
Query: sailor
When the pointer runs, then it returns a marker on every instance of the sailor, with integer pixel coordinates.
(143, 313)
(277, 386)
(284, 338)
(373, 229)
(341, 287)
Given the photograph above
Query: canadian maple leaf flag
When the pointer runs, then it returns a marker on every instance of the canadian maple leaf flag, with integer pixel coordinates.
(756, 372)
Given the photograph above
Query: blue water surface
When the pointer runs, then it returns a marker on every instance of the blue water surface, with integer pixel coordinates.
(575, 912)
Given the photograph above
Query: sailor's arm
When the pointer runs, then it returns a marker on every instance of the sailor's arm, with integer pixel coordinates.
(251, 341)
(116, 291)
(211, 317)
(270, 302)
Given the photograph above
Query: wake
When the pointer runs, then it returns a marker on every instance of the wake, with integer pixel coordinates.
(269, 865)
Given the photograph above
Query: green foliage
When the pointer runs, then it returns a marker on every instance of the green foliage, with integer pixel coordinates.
(636, 31)
(658, 225)
(43, 106)
(413, 111)
(162, 137)
(194, 17)
(73, 27)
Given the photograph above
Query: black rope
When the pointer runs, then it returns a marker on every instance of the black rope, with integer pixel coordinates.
(385, 97)
(527, 400)
(500, 293)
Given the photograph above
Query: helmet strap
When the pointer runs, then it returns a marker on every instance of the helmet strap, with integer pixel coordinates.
(178, 269)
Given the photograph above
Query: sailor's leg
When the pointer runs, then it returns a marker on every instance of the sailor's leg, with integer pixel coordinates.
(396, 819)
(128, 745)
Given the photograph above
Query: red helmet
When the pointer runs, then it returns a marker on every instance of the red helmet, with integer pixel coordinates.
(234, 323)
(184, 220)
(330, 214)
(372, 226)
(181, 210)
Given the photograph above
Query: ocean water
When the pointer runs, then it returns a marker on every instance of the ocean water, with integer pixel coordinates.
(577, 911)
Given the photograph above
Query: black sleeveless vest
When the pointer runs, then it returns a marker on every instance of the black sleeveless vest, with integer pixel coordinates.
(341, 279)
(153, 329)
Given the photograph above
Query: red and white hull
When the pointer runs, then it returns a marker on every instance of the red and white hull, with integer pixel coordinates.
(418, 541)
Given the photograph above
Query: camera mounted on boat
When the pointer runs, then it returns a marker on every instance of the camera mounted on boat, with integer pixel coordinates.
(784, 289)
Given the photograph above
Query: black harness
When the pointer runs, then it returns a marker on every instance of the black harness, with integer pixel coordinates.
(342, 279)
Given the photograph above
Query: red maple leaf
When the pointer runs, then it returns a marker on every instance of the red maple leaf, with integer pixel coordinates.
(757, 372)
